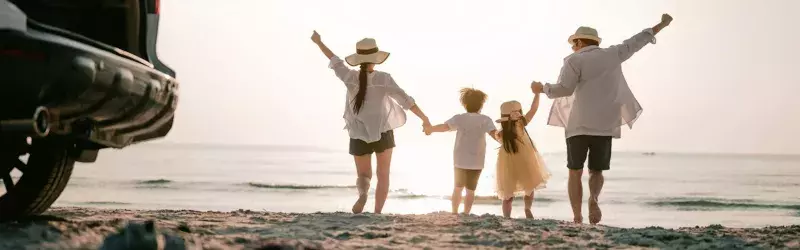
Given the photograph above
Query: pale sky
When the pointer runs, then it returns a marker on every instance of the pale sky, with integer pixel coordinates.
(721, 78)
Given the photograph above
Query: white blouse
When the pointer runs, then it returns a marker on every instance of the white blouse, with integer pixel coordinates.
(383, 104)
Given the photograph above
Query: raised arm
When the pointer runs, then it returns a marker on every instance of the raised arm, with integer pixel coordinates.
(341, 70)
(537, 89)
(666, 19)
(638, 41)
(318, 41)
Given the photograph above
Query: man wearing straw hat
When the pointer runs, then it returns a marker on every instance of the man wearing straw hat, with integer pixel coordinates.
(592, 101)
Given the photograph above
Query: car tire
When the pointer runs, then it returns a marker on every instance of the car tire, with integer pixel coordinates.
(43, 178)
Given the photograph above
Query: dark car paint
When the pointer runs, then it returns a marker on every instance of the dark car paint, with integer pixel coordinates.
(98, 94)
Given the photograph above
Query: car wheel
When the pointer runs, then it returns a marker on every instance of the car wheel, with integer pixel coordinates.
(30, 186)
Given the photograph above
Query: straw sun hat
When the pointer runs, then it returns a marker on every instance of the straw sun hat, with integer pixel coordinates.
(367, 52)
(584, 32)
(507, 108)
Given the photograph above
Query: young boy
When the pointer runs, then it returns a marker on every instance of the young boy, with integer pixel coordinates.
(470, 147)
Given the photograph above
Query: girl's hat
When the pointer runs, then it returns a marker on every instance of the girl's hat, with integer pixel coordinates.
(507, 108)
(367, 52)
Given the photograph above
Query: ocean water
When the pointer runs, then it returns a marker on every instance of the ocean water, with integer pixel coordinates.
(640, 190)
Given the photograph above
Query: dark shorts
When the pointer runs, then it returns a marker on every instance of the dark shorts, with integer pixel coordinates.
(598, 149)
(467, 178)
(359, 147)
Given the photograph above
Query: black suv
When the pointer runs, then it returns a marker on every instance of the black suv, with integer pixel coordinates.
(76, 76)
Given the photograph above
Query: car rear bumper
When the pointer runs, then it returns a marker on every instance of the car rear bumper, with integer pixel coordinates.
(99, 94)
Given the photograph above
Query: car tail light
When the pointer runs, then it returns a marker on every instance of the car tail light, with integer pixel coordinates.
(22, 54)
(153, 6)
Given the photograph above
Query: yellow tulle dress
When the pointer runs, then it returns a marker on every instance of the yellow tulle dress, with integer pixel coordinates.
(522, 172)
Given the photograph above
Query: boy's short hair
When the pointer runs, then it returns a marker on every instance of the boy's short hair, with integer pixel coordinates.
(472, 99)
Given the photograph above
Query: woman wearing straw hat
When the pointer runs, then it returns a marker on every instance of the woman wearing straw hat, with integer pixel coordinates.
(373, 109)
(593, 102)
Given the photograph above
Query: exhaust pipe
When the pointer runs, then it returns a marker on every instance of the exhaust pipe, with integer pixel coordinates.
(39, 126)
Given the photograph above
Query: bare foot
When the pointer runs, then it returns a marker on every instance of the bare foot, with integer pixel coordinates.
(528, 214)
(594, 212)
(358, 207)
(578, 219)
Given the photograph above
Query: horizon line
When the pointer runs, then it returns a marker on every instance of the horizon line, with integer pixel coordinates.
(321, 148)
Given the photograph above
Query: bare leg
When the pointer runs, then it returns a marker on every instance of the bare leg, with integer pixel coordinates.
(468, 201)
(528, 205)
(575, 190)
(596, 181)
(364, 171)
(507, 207)
(456, 199)
(382, 189)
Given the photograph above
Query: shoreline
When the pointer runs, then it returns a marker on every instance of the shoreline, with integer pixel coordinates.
(86, 228)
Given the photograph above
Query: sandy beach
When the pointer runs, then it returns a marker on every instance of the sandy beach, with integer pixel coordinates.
(86, 228)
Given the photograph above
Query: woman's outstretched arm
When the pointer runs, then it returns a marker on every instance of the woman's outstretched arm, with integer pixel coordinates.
(426, 124)
(318, 41)
(342, 72)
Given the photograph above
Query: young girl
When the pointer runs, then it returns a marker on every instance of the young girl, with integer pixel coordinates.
(520, 168)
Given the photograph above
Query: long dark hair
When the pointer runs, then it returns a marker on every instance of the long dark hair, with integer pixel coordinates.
(358, 101)
(510, 136)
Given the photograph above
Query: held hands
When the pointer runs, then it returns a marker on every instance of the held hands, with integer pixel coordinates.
(427, 130)
(426, 127)
(315, 38)
(666, 19)
(537, 87)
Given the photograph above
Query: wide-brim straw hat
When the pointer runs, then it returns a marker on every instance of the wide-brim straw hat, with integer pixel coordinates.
(367, 52)
(506, 108)
(584, 32)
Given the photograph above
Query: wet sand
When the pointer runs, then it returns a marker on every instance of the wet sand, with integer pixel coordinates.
(86, 228)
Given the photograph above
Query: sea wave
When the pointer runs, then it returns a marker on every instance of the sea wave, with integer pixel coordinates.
(719, 204)
(294, 186)
(154, 182)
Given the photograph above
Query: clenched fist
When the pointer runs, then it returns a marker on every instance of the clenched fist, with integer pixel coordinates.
(315, 38)
(666, 19)
(537, 87)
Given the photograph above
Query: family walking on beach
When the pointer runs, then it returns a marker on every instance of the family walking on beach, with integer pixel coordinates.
(592, 101)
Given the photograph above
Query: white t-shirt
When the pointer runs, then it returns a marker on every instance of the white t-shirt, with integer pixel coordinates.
(470, 149)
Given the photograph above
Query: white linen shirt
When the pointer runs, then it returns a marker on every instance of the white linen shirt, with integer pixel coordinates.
(383, 104)
(591, 95)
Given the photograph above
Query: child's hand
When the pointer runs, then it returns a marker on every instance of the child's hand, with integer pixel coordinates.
(537, 87)
(427, 129)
